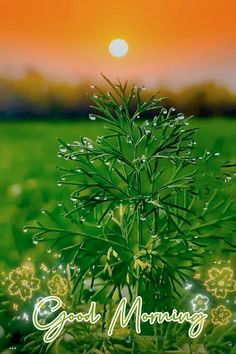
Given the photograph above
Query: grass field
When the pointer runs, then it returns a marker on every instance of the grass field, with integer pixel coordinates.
(28, 177)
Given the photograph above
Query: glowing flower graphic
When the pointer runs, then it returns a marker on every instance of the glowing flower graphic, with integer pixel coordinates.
(58, 285)
(220, 315)
(199, 303)
(23, 282)
(220, 282)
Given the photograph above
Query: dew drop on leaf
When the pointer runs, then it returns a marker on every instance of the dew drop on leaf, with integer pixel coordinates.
(92, 117)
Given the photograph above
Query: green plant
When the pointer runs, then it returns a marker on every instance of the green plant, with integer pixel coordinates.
(145, 210)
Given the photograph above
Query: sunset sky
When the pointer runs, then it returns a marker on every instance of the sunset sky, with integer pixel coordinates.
(171, 42)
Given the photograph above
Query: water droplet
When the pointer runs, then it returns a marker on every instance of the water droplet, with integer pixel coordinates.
(147, 131)
(82, 219)
(180, 116)
(227, 179)
(217, 154)
(54, 269)
(99, 226)
(43, 211)
(49, 250)
(92, 86)
(129, 139)
(92, 117)
(63, 149)
(25, 229)
(143, 158)
(59, 184)
(143, 217)
(143, 88)
(154, 236)
(35, 240)
(78, 170)
(120, 161)
(59, 204)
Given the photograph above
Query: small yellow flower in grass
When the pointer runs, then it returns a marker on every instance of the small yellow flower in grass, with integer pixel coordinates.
(220, 315)
(58, 285)
(23, 282)
(220, 282)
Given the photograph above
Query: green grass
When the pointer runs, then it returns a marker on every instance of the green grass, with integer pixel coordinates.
(28, 177)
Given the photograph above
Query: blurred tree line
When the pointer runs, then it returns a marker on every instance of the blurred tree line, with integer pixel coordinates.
(33, 96)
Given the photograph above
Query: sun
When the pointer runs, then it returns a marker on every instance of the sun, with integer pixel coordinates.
(118, 47)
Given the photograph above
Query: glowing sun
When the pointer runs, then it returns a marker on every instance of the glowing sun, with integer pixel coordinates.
(118, 48)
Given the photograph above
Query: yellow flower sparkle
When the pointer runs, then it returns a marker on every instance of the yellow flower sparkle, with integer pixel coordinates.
(221, 315)
(220, 282)
(58, 285)
(23, 282)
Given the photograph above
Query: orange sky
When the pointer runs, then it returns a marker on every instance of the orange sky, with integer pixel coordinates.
(174, 42)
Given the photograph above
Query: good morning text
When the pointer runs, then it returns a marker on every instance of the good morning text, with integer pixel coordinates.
(54, 328)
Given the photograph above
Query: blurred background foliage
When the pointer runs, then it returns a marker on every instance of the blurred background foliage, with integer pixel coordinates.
(33, 96)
